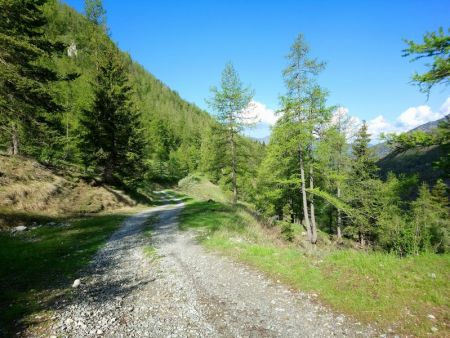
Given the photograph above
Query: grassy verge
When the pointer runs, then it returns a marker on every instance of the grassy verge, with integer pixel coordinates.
(395, 293)
(37, 266)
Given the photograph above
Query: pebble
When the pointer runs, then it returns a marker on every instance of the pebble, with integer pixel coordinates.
(76, 283)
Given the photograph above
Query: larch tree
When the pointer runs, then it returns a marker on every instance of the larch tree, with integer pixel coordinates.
(436, 45)
(112, 132)
(231, 102)
(300, 111)
(28, 107)
(95, 12)
(334, 159)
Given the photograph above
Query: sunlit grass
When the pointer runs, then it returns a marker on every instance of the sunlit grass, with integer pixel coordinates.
(393, 292)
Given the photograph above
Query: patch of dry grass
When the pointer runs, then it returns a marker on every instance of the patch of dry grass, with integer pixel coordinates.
(29, 187)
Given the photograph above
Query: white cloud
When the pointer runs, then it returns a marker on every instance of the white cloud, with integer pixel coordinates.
(409, 119)
(258, 112)
(380, 125)
(349, 125)
(415, 116)
(445, 108)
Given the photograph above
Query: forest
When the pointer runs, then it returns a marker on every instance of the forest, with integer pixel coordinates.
(73, 98)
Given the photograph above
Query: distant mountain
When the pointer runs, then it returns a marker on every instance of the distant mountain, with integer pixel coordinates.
(264, 139)
(381, 149)
(429, 126)
(416, 161)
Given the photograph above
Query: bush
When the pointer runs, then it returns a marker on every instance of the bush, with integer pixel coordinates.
(287, 230)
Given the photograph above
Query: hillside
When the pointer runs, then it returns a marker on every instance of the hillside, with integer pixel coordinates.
(381, 149)
(418, 161)
(414, 162)
(29, 189)
(172, 128)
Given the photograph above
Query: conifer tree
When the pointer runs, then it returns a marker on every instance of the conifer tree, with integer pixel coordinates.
(230, 102)
(112, 134)
(302, 110)
(363, 189)
(95, 12)
(430, 221)
(28, 108)
(364, 162)
(436, 45)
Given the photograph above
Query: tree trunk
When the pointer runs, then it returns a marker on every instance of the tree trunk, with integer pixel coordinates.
(362, 241)
(233, 168)
(108, 172)
(15, 140)
(339, 217)
(305, 202)
(311, 203)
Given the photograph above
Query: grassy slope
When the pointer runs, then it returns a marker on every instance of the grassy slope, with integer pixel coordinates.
(372, 287)
(29, 187)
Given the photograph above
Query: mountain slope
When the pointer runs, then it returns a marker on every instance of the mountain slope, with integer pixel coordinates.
(28, 188)
(418, 161)
(173, 127)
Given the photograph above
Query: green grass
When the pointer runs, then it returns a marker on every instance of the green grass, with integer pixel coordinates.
(392, 292)
(37, 266)
(201, 188)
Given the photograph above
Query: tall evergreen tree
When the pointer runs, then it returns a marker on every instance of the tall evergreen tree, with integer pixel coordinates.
(302, 110)
(364, 162)
(28, 108)
(230, 101)
(112, 133)
(362, 188)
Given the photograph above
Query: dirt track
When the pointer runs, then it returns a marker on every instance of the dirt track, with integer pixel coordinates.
(184, 291)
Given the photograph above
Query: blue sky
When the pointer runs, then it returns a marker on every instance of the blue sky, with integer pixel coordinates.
(187, 43)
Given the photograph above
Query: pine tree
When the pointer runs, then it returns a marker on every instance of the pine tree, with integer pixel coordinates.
(230, 101)
(112, 133)
(28, 108)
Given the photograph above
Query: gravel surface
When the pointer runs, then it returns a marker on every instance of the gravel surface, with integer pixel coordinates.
(184, 291)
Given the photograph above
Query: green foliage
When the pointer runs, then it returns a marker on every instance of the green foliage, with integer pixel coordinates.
(363, 165)
(29, 111)
(409, 140)
(436, 45)
(112, 140)
(231, 103)
(443, 139)
(95, 12)
(430, 221)
(172, 129)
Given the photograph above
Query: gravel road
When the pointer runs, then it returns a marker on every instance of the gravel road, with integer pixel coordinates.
(184, 291)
